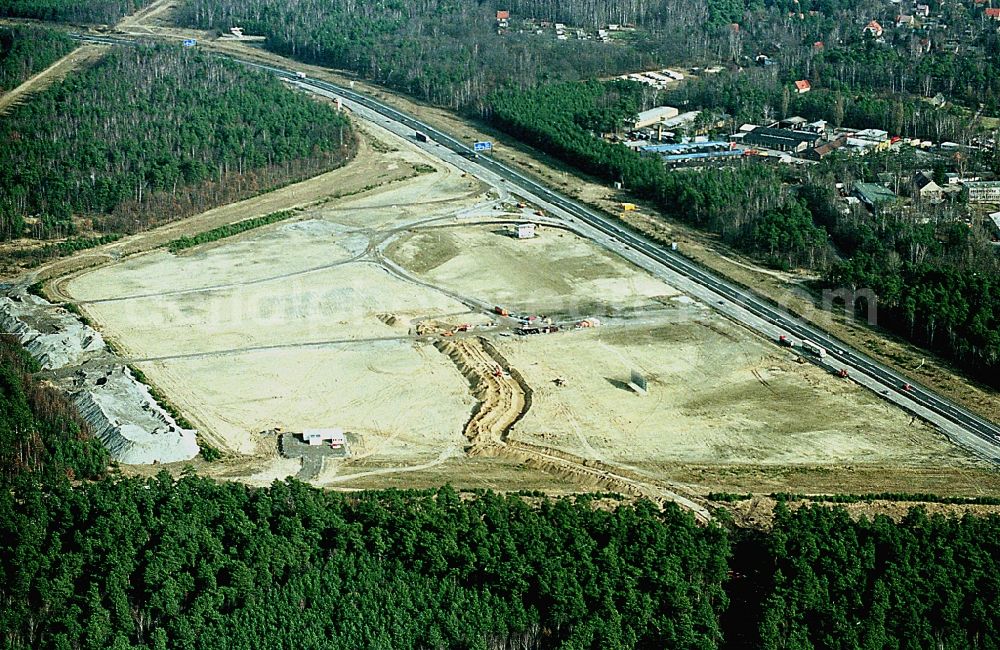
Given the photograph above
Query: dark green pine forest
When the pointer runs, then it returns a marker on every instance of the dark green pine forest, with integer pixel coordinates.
(90, 559)
(152, 133)
(26, 50)
(105, 12)
(191, 563)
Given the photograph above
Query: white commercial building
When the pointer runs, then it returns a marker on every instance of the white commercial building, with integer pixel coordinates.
(983, 191)
(333, 437)
(654, 116)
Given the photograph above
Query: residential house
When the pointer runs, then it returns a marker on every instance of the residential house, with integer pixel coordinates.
(872, 195)
(802, 86)
(904, 20)
(922, 10)
(925, 188)
(873, 28)
(993, 12)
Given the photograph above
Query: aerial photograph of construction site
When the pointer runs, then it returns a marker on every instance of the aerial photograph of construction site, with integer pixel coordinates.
(439, 328)
(538, 325)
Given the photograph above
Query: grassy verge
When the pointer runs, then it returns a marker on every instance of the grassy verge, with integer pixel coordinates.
(230, 230)
(34, 256)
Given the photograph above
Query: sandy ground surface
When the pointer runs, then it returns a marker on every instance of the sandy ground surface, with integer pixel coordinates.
(320, 321)
(404, 401)
(556, 273)
(55, 72)
(784, 289)
(147, 16)
(716, 394)
(725, 410)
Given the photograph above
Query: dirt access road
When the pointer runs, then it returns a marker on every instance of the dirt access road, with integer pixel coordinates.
(58, 70)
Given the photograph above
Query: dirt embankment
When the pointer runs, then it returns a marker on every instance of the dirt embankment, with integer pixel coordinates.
(758, 512)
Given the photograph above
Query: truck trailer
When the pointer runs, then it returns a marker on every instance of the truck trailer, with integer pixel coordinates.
(815, 349)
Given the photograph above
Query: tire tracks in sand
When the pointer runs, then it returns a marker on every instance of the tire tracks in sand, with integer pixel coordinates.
(504, 398)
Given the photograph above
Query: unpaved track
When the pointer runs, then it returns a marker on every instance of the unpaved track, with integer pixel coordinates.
(600, 474)
(51, 74)
(141, 18)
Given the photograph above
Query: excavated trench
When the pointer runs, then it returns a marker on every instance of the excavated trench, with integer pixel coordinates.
(504, 398)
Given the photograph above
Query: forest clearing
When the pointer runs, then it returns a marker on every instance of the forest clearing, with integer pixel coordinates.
(358, 329)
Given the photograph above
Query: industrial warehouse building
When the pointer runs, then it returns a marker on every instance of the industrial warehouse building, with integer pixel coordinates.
(782, 139)
(654, 116)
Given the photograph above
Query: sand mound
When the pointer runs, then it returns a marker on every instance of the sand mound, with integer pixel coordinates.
(126, 418)
(52, 335)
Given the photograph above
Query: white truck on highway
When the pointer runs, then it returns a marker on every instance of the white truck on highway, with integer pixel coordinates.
(815, 349)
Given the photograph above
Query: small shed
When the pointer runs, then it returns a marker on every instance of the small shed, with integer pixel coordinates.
(333, 437)
(525, 230)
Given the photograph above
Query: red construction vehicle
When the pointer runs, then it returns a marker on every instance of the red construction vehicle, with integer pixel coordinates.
(500, 310)
(784, 341)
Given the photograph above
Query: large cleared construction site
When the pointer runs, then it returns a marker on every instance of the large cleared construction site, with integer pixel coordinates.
(454, 343)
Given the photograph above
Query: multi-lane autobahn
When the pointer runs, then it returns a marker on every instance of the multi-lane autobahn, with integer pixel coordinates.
(961, 425)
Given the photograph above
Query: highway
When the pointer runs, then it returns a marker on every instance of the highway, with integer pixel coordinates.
(980, 436)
